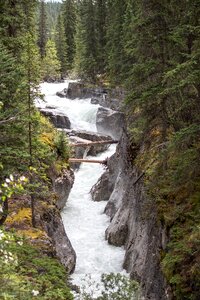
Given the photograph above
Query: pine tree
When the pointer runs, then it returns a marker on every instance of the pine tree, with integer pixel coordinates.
(42, 30)
(61, 46)
(115, 46)
(86, 44)
(69, 19)
(101, 13)
(50, 65)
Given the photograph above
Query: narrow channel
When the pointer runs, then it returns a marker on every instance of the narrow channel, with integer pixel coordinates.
(84, 220)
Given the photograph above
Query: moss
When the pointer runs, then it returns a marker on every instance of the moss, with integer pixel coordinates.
(23, 215)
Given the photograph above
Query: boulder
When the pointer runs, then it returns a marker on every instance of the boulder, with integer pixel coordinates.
(58, 119)
(80, 90)
(106, 97)
(110, 122)
(102, 190)
(62, 94)
(90, 135)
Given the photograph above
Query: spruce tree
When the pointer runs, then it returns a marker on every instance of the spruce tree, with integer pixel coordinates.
(61, 45)
(50, 64)
(69, 19)
(86, 44)
(101, 13)
(42, 29)
(115, 46)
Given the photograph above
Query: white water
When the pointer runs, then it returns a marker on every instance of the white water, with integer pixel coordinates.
(83, 219)
(81, 113)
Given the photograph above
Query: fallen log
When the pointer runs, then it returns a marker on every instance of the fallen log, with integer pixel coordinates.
(94, 143)
(93, 161)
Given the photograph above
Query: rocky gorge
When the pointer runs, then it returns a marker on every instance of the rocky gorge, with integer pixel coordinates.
(133, 217)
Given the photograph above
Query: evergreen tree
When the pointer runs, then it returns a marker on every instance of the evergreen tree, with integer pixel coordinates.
(61, 46)
(69, 19)
(101, 13)
(86, 44)
(42, 29)
(115, 46)
(52, 11)
(50, 65)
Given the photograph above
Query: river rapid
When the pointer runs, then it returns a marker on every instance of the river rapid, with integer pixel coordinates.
(84, 220)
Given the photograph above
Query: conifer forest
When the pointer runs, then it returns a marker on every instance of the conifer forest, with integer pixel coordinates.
(148, 51)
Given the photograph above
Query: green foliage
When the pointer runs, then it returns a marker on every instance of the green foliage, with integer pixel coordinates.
(42, 29)
(61, 45)
(112, 287)
(69, 21)
(62, 145)
(86, 44)
(50, 64)
(26, 273)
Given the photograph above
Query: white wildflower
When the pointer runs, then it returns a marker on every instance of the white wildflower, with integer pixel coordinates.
(7, 180)
(11, 177)
(1, 234)
(35, 293)
(22, 178)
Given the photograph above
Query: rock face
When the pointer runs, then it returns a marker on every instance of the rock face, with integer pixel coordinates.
(62, 186)
(134, 222)
(54, 227)
(50, 218)
(110, 122)
(58, 119)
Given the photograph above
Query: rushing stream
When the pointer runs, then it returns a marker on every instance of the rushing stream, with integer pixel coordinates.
(83, 218)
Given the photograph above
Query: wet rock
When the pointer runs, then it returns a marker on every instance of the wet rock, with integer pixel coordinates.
(53, 225)
(90, 136)
(51, 107)
(80, 90)
(50, 219)
(62, 94)
(106, 97)
(58, 119)
(62, 186)
(117, 235)
(110, 122)
(102, 190)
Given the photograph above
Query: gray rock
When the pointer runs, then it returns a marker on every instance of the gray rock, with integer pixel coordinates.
(62, 94)
(54, 228)
(51, 221)
(58, 119)
(110, 122)
(134, 222)
(106, 97)
(102, 190)
(62, 186)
